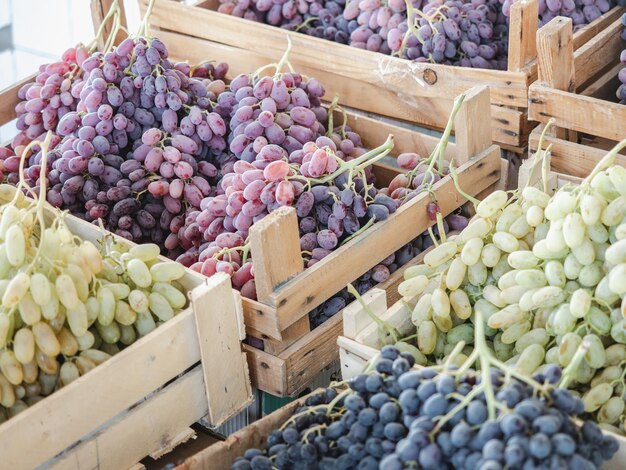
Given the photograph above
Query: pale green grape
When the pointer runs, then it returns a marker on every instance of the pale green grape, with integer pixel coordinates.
(597, 396)
(120, 291)
(68, 373)
(427, 337)
(535, 196)
(456, 274)
(503, 351)
(492, 294)
(139, 273)
(611, 411)
(107, 306)
(561, 204)
(124, 315)
(478, 228)
(554, 273)
(145, 252)
(77, 320)
(67, 343)
(160, 306)
(595, 356)
(531, 278)
(167, 271)
(563, 321)
(490, 255)
(413, 286)
(526, 300)
(552, 355)
(508, 216)
(440, 254)
(40, 289)
(460, 303)
(492, 204)
(572, 267)
(615, 354)
(616, 253)
(580, 303)
(477, 274)
(611, 215)
(66, 292)
(15, 245)
(422, 310)
(599, 321)
(523, 259)
(534, 216)
(470, 253)
(617, 279)
(607, 375)
(530, 358)
(24, 345)
(585, 253)
(520, 228)
(591, 275)
(555, 240)
(93, 310)
(30, 312)
(598, 233)
(513, 294)
(514, 332)
(17, 288)
(573, 229)
(508, 279)
(86, 341)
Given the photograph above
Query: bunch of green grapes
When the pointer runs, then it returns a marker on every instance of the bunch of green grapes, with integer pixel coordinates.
(548, 275)
(67, 306)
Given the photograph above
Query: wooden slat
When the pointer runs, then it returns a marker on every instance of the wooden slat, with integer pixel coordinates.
(523, 23)
(308, 356)
(354, 258)
(223, 363)
(267, 372)
(508, 88)
(355, 319)
(588, 32)
(569, 157)
(472, 125)
(275, 248)
(601, 51)
(577, 112)
(150, 426)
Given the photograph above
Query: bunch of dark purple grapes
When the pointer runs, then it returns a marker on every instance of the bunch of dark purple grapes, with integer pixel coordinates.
(398, 417)
(582, 12)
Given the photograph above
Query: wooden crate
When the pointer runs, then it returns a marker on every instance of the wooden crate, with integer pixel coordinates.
(576, 87)
(416, 92)
(142, 400)
(286, 367)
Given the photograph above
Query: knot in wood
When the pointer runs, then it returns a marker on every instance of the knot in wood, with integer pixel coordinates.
(430, 76)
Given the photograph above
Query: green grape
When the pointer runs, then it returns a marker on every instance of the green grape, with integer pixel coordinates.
(68, 373)
(503, 351)
(591, 275)
(526, 300)
(611, 411)
(616, 253)
(507, 317)
(463, 332)
(120, 291)
(427, 337)
(160, 306)
(599, 321)
(531, 278)
(460, 303)
(441, 254)
(493, 295)
(456, 274)
(580, 303)
(552, 355)
(534, 216)
(597, 396)
(563, 321)
(561, 204)
(66, 291)
(478, 228)
(522, 259)
(167, 271)
(107, 306)
(15, 245)
(17, 288)
(617, 279)
(145, 252)
(86, 341)
(40, 289)
(514, 332)
(24, 345)
(490, 255)
(489, 206)
(77, 320)
(145, 323)
(68, 343)
(535, 196)
(572, 267)
(124, 315)
(595, 356)
(548, 296)
(618, 332)
(413, 287)
(536, 337)
(530, 359)
(139, 273)
(109, 333)
(555, 240)
(422, 310)
(615, 354)
(585, 253)
(45, 339)
(554, 273)
(607, 375)
(611, 215)
(30, 312)
(420, 359)
(500, 269)
(573, 229)
(477, 274)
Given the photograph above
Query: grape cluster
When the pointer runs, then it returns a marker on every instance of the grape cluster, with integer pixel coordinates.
(54, 93)
(396, 418)
(621, 91)
(67, 306)
(139, 122)
(582, 12)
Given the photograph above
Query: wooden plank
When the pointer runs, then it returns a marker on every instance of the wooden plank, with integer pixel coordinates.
(267, 373)
(523, 23)
(275, 248)
(225, 370)
(141, 368)
(472, 125)
(600, 52)
(290, 335)
(555, 59)
(398, 75)
(397, 316)
(577, 112)
(588, 32)
(309, 355)
(354, 258)
(354, 316)
(571, 158)
(149, 426)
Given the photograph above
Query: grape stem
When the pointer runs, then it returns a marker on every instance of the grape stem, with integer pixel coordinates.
(569, 373)
(384, 328)
(113, 12)
(143, 27)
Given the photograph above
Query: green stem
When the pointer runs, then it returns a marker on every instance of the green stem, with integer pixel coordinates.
(382, 325)
(569, 373)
